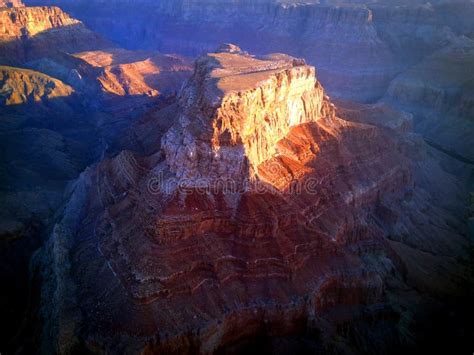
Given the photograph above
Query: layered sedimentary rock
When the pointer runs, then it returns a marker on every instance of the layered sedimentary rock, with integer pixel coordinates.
(250, 208)
(262, 215)
(193, 27)
(47, 40)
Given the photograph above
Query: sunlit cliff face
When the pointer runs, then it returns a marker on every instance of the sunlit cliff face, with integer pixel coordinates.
(235, 110)
(32, 21)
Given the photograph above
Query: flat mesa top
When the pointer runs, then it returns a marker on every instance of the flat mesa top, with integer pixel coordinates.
(240, 71)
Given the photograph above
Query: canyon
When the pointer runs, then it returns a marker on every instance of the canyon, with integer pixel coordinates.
(176, 178)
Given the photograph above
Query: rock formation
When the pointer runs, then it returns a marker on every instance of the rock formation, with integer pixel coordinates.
(262, 215)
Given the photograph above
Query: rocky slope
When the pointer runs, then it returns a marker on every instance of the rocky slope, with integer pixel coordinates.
(57, 106)
(64, 90)
(261, 217)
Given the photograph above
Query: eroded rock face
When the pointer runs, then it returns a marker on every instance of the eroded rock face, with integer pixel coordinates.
(154, 255)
